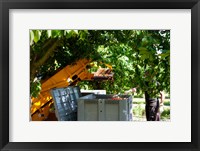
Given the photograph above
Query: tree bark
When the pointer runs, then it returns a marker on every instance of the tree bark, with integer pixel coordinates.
(49, 48)
(152, 108)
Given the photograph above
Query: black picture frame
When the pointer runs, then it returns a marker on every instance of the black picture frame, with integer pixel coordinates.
(5, 5)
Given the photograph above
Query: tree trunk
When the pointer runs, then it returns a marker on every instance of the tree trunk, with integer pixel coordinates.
(152, 108)
(49, 48)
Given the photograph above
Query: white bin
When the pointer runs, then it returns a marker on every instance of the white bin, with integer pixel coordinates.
(104, 108)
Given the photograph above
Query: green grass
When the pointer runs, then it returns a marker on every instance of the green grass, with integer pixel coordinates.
(165, 114)
(167, 102)
(139, 111)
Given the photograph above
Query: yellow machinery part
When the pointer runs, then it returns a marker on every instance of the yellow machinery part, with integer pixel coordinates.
(69, 75)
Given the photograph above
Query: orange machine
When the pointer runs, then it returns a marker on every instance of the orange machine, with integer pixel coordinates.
(70, 75)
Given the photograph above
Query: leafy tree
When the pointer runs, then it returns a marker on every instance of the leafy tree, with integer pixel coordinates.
(140, 58)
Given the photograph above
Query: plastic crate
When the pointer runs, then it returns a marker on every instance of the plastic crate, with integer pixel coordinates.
(65, 102)
(77, 92)
(104, 108)
(69, 117)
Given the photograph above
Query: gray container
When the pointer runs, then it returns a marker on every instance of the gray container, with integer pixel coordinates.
(65, 102)
(77, 92)
(103, 108)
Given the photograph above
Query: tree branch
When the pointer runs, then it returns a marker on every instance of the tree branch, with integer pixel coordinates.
(44, 58)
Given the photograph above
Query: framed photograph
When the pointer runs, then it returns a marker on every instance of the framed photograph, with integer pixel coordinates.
(99, 75)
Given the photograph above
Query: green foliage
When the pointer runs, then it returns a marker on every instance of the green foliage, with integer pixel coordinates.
(35, 88)
(37, 35)
(139, 111)
(138, 57)
(167, 102)
(165, 114)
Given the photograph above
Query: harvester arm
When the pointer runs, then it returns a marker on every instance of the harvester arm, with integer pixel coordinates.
(70, 75)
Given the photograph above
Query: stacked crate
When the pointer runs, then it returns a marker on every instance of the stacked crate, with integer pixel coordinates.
(65, 102)
(105, 108)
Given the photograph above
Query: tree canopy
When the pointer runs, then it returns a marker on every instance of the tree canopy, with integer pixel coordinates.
(138, 57)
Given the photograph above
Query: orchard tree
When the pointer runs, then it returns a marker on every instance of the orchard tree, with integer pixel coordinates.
(51, 50)
(140, 58)
(137, 57)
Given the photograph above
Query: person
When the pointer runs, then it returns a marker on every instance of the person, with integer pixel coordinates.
(162, 97)
(130, 91)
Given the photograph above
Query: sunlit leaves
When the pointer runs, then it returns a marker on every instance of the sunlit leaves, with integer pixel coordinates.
(35, 88)
(165, 54)
(71, 33)
(49, 33)
(130, 52)
(34, 36)
(31, 37)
